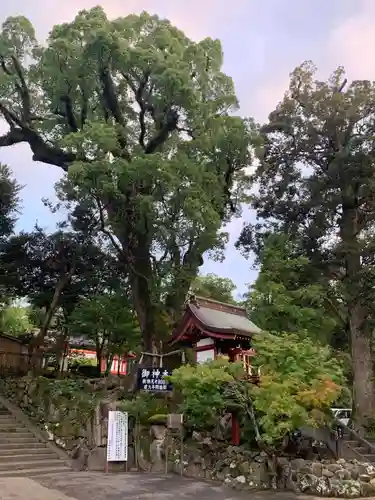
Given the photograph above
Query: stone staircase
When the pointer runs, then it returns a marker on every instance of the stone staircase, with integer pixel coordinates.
(23, 451)
(354, 446)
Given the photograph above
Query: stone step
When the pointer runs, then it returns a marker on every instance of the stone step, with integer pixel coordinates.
(29, 449)
(27, 438)
(361, 450)
(29, 457)
(369, 458)
(24, 463)
(32, 472)
(351, 443)
(15, 432)
(12, 427)
(6, 417)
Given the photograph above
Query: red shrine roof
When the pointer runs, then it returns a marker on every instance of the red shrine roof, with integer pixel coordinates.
(215, 319)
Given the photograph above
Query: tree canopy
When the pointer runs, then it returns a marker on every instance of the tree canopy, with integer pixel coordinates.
(15, 320)
(214, 287)
(142, 120)
(316, 182)
(107, 320)
(291, 295)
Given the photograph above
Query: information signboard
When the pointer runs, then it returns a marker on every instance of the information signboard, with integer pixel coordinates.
(117, 441)
(153, 380)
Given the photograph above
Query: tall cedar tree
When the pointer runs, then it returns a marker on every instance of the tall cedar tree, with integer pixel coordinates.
(141, 119)
(317, 183)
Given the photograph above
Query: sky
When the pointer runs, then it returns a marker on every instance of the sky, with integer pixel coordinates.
(263, 41)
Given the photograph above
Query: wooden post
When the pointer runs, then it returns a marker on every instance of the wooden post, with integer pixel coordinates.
(236, 432)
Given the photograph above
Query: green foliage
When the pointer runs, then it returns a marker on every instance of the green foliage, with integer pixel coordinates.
(9, 201)
(299, 382)
(65, 405)
(15, 320)
(201, 388)
(142, 120)
(108, 321)
(146, 408)
(316, 175)
(214, 287)
(289, 295)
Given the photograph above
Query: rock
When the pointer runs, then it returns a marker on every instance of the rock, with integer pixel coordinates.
(350, 489)
(207, 441)
(244, 467)
(343, 474)
(258, 473)
(367, 489)
(156, 455)
(158, 431)
(283, 461)
(333, 467)
(327, 473)
(354, 473)
(306, 469)
(241, 479)
(96, 460)
(307, 483)
(297, 463)
(341, 461)
(197, 436)
(317, 468)
(365, 478)
(372, 482)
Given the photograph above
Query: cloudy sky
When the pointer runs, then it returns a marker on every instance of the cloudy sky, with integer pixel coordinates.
(262, 40)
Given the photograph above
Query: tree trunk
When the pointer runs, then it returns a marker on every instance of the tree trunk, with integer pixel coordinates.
(109, 362)
(359, 328)
(363, 374)
(99, 362)
(39, 339)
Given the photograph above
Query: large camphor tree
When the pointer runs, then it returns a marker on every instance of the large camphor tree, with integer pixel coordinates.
(316, 184)
(141, 120)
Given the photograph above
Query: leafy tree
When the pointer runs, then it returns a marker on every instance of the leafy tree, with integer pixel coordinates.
(299, 381)
(107, 321)
(141, 119)
(15, 320)
(316, 182)
(9, 201)
(53, 271)
(214, 287)
(9, 206)
(290, 295)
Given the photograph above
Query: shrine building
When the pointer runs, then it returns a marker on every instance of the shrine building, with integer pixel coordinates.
(215, 329)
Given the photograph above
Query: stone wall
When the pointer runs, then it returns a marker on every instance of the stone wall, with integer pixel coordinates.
(243, 469)
(72, 413)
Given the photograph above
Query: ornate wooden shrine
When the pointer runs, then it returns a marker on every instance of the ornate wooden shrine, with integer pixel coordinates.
(215, 329)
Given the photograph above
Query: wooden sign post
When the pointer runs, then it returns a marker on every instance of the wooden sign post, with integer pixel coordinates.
(117, 439)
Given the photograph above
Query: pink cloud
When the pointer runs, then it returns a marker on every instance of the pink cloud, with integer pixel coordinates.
(197, 18)
(352, 42)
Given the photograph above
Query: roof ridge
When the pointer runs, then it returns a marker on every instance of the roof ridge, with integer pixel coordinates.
(213, 301)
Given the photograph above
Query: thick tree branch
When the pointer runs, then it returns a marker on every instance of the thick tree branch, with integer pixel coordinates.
(169, 125)
(23, 90)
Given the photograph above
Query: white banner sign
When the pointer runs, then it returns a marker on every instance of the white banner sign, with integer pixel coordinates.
(117, 441)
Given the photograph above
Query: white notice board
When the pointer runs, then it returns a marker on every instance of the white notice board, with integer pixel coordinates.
(117, 441)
